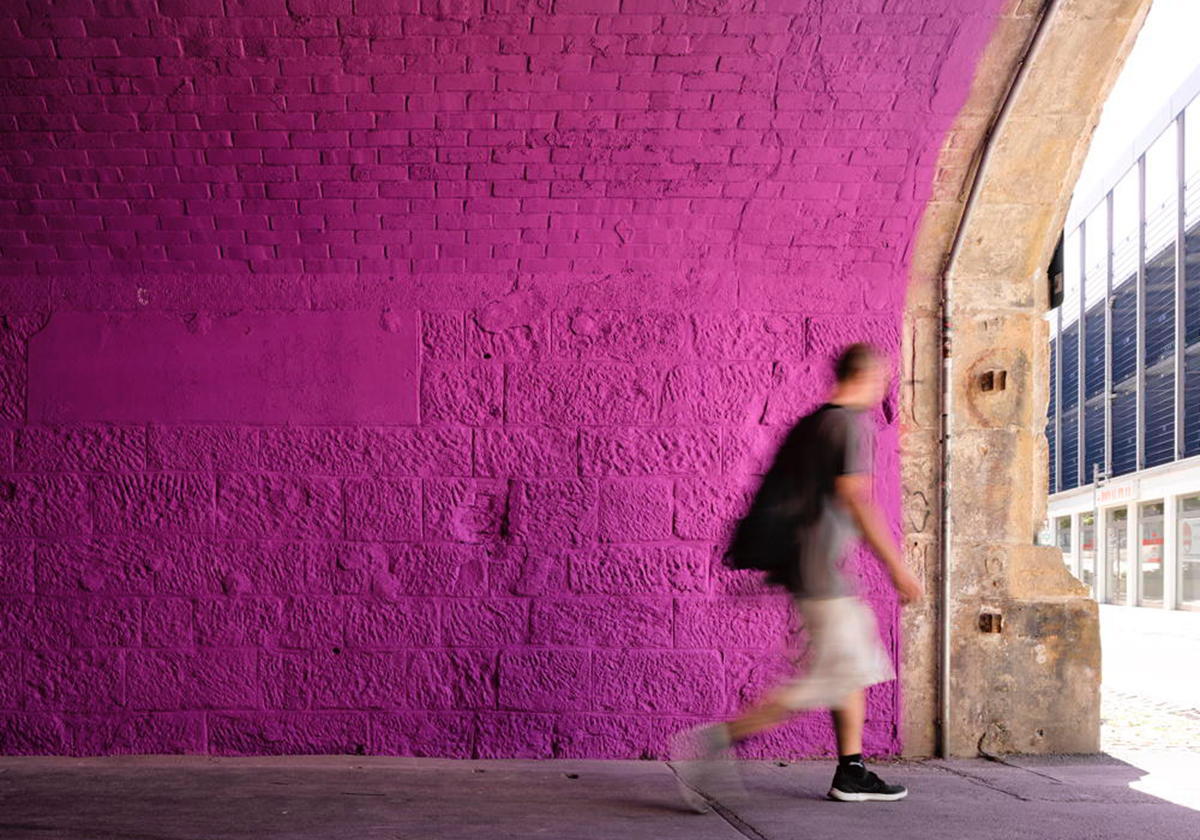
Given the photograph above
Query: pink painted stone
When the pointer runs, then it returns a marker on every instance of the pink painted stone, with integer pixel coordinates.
(295, 367)
(382, 376)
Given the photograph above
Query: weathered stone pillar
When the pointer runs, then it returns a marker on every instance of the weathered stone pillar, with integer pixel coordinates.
(1024, 648)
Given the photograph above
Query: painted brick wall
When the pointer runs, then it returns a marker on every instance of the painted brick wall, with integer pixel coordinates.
(382, 375)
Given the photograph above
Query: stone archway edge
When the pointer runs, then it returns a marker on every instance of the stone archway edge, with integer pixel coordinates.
(1015, 667)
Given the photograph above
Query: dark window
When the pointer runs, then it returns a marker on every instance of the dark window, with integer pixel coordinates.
(1093, 352)
(1050, 436)
(1124, 430)
(1160, 418)
(1093, 439)
(1191, 299)
(1124, 332)
(1160, 306)
(1070, 366)
(1159, 428)
(1070, 450)
(1191, 362)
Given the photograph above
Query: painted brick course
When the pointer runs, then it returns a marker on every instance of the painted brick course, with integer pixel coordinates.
(630, 233)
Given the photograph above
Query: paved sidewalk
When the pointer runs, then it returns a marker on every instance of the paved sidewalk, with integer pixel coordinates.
(305, 798)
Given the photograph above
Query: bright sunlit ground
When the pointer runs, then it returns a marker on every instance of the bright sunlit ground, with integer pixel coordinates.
(1151, 697)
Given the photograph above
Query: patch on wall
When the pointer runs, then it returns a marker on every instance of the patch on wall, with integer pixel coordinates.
(250, 367)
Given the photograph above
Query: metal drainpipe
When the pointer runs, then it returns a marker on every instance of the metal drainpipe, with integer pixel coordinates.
(945, 383)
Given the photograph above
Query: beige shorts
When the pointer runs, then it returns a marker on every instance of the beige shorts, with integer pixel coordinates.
(844, 654)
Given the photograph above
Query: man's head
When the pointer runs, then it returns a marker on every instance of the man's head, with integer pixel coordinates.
(862, 375)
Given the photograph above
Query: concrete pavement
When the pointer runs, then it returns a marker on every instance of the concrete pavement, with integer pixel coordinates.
(305, 798)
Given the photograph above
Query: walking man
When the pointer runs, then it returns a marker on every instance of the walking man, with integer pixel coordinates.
(824, 470)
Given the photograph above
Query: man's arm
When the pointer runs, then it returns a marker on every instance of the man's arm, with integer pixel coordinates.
(854, 491)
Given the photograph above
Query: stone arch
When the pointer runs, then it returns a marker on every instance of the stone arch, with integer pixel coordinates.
(1027, 681)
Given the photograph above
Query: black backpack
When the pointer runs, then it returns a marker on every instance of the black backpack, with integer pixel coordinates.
(764, 539)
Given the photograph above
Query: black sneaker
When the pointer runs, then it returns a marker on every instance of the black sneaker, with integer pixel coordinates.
(855, 783)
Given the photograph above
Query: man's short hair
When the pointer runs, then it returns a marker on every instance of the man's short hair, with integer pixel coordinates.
(853, 360)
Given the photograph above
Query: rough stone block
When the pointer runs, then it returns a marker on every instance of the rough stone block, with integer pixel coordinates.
(621, 336)
(514, 735)
(171, 733)
(33, 734)
(466, 510)
(313, 624)
(278, 506)
(203, 448)
(749, 450)
(289, 679)
(12, 687)
(581, 394)
(468, 394)
(507, 342)
(16, 567)
(603, 736)
(827, 335)
(539, 452)
(485, 623)
(57, 623)
(13, 385)
(651, 452)
(167, 623)
(261, 567)
(660, 682)
(798, 389)
(649, 569)
(313, 450)
(81, 448)
(17, 618)
(47, 505)
(356, 680)
(151, 503)
(208, 678)
(340, 568)
(602, 622)
(545, 680)
(439, 569)
(707, 509)
(383, 509)
(454, 680)
(238, 621)
(423, 734)
(127, 566)
(731, 623)
(520, 570)
(554, 512)
(419, 451)
(442, 336)
(725, 393)
(634, 509)
(406, 623)
(766, 336)
(76, 681)
(287, 733)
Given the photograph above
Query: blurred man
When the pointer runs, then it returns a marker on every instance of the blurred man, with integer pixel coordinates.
(821, 478)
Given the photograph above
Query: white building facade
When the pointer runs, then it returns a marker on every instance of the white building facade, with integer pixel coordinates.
(1123, 422)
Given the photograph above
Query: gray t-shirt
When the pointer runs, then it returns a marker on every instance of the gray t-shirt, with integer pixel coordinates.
(833, 440)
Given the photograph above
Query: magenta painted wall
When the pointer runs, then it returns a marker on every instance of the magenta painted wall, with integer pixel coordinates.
(381, 376)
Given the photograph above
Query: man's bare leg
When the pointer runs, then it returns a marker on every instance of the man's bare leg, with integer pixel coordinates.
(758, 718)
(848, 718)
